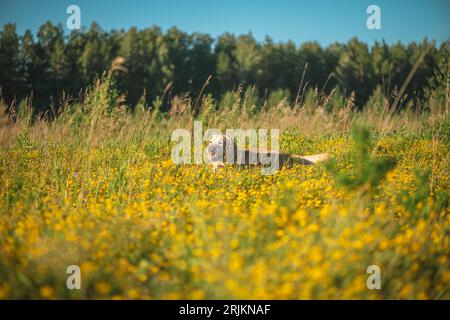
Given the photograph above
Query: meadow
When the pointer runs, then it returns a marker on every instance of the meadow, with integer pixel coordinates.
(95, 187)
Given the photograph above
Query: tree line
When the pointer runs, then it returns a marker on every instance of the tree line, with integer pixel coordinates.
(163, 64)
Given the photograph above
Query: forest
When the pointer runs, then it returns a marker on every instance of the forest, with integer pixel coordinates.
(153, 66)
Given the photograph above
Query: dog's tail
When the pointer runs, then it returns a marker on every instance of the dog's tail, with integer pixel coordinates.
(312, 159)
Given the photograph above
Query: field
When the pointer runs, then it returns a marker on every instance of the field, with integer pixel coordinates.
(96, 188)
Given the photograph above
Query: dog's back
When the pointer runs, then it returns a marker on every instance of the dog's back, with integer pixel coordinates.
(286, 159)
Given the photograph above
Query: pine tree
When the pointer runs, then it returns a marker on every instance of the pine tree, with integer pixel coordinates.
(10, 73)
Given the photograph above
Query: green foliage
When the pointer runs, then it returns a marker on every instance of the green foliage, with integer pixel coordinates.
(368, 171)
(419, 203)
(276, 96)
(102, 97)
(377, 102)
(156, 106)
(438, 89)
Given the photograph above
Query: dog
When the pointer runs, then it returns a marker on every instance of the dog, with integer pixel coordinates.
(222, 149)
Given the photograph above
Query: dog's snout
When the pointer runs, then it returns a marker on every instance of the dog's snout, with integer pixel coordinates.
(210, 148)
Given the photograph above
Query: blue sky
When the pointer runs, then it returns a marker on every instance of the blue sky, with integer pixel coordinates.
(325, 21)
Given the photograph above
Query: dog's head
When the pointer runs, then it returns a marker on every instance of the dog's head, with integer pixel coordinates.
(221, 148)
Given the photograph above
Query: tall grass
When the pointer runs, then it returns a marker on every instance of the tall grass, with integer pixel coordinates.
(100, 118)
(93, 186)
